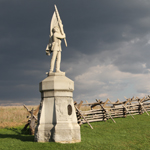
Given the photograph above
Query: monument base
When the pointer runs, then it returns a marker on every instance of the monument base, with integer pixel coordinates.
(61, 133)
(57, 119)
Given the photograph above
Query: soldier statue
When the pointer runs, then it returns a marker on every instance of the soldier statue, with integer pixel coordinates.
(54, 46)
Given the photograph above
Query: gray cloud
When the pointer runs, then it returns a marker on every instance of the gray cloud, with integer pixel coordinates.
(98, 33)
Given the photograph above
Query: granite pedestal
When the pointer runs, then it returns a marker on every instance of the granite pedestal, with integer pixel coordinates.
(57, 118)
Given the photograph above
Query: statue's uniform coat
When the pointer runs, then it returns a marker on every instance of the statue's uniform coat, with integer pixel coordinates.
(56, 45)
(56, 48)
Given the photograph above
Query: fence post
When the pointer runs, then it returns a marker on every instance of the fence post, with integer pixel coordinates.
(124, 112)
(140, 109)
(32, 123)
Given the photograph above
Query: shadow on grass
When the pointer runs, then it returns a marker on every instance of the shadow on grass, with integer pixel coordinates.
(19, 137)
(23, 135)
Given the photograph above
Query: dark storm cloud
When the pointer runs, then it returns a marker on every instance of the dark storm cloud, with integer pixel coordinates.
(105, 22)
(91, 28)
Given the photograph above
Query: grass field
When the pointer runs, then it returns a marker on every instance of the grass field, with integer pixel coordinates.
(126, 134)
(11, 116)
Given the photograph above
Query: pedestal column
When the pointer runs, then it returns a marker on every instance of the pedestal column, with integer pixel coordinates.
(57, 118)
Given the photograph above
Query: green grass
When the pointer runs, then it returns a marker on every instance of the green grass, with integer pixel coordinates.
(126, 134)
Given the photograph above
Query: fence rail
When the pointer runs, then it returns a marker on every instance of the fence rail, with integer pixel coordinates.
(109, 110)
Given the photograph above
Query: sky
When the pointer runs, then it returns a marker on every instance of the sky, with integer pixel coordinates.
(107, 55)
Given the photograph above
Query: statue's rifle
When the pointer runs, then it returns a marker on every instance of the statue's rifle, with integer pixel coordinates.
(60, 24)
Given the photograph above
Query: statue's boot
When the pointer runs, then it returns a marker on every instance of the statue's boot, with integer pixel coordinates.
(58, 71)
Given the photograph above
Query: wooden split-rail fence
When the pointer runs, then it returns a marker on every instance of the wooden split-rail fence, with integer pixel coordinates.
(32, 119)
(102, 111)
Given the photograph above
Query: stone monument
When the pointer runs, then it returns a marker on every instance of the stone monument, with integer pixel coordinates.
(57, 119)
